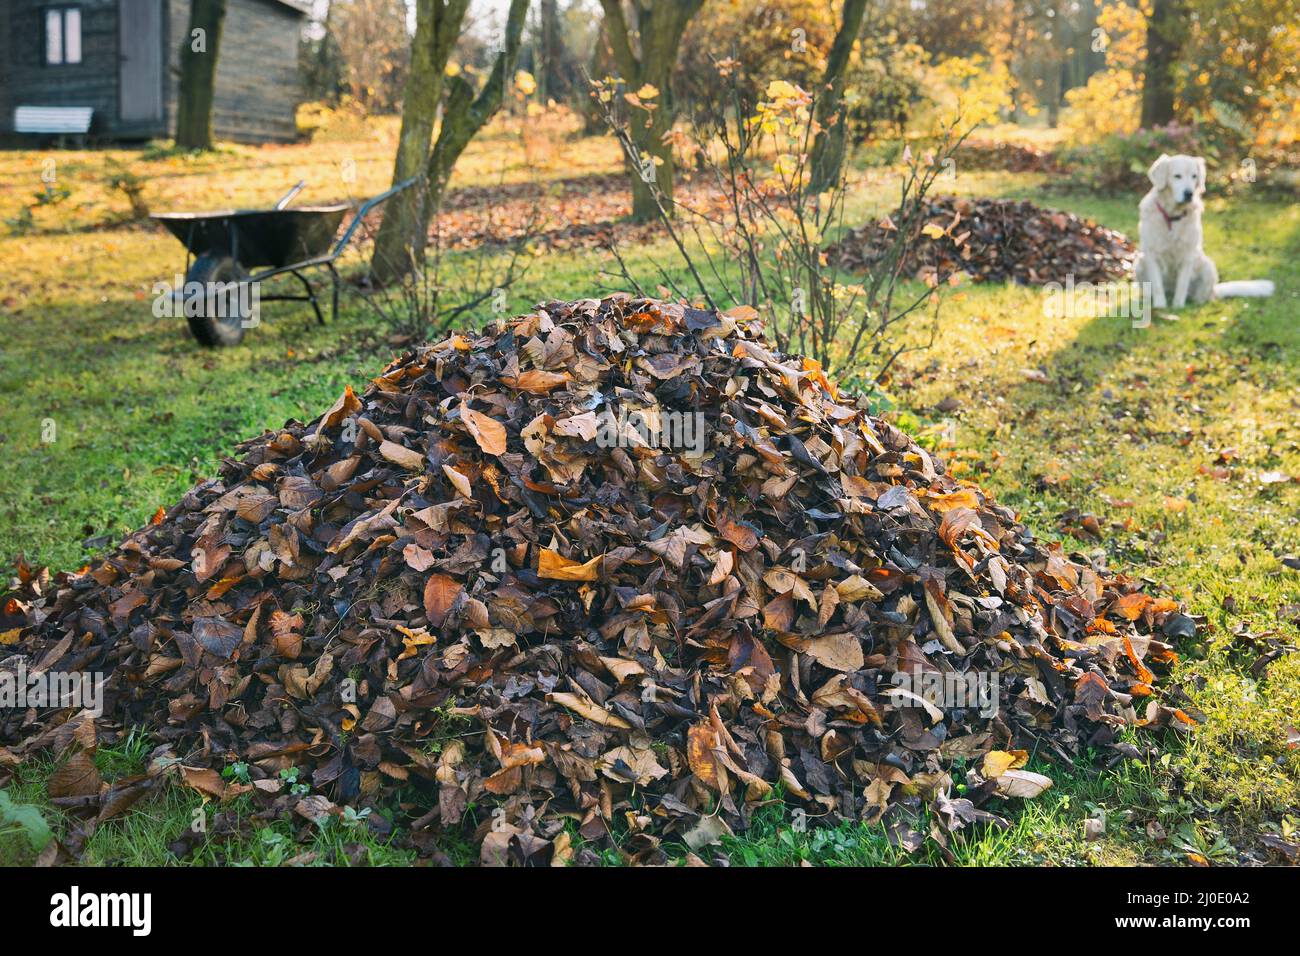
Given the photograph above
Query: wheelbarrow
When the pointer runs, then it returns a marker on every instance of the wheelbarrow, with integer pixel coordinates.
(223, 248)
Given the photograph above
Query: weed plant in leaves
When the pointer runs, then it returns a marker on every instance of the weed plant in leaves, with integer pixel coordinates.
(614, 567)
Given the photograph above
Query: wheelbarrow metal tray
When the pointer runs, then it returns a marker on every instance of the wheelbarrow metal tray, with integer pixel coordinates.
(258, 237)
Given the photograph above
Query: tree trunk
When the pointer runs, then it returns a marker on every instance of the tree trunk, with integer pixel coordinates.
(1165, 35)
(655, 166)
(399, 243)
(660, 24)
(828, 145)
(199, 50)
(465, 114)
(550, 80)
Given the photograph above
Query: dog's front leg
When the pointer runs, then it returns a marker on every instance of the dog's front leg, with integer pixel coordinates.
(1156, 281)
(1183, 282)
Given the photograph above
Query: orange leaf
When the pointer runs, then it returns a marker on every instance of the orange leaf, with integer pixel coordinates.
(345, 406)
(536, 380)
(440, 592)
(488, 432)
(553, 565)
(701, 742)
(1131, 606)
(1144, 675)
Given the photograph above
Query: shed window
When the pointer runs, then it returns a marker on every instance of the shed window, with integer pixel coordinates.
(62, 35)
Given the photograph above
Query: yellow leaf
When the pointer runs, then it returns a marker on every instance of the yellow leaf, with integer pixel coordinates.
(932, 231)
(998, 762)
(701, 743)
(553, 565)
(781, 90)
(412, 640)
(961, 498)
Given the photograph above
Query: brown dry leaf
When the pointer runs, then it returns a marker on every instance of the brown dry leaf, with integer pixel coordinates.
(401, 455)
(217, 636)
(286, 638)
(721, 567)
(75, 777)
(121, 609)
(936, 604)
(459, 482)
(417, 558)
(1022, 783)
(589, 710)
(857, 588)
(489, 433)
(209, 555)
(778, 613)
(204, 780)
(440, 593)
(839, 652)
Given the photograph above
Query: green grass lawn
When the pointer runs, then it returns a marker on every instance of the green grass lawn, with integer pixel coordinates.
(1174, 436)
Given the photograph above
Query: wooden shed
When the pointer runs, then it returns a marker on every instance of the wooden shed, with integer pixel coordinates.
(121, 58)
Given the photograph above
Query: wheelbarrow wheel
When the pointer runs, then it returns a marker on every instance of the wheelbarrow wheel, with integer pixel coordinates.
(226, 326)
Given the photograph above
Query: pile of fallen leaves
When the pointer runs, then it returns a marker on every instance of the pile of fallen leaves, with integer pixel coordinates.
(994, 240)
(493, 592)
(1011, 157)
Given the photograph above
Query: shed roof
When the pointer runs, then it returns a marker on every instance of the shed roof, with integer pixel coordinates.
(297, 6)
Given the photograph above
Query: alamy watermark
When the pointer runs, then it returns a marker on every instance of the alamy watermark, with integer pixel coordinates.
(73, 909)
(51, 689)
(217, 300)
(1102, 300)
(657, 428)
(973, 690)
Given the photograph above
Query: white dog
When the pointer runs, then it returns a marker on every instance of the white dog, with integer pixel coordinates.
(1172, 258)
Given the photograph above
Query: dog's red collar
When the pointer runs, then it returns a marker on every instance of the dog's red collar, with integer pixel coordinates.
(1169, 220)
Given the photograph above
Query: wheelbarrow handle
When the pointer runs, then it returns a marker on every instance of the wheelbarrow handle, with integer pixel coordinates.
(364, 210)
(288, 197)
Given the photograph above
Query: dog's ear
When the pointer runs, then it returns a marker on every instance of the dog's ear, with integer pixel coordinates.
(1159, 172)
(1201, 173)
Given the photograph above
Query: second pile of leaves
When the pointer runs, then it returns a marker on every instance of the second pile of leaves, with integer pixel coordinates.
(994, 240)
(613, 573)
